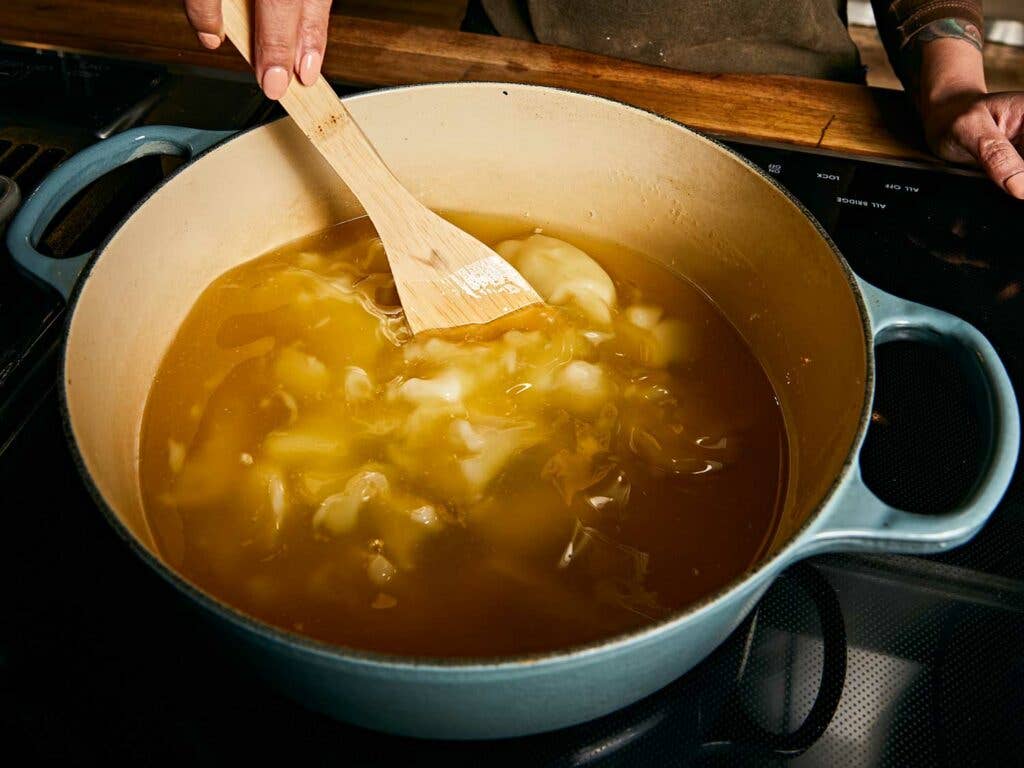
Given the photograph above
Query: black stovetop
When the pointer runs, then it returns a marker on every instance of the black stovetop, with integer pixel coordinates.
(99, 660)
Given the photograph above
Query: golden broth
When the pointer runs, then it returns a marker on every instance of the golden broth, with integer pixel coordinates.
(619, 456)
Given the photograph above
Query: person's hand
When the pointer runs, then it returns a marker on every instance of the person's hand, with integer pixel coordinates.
(963, 123)
(291, 38)
(986, 129)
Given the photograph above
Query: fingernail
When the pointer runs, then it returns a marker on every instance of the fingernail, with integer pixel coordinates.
(309, 69)
(209, 40)
(275, 82)
(1015, 185)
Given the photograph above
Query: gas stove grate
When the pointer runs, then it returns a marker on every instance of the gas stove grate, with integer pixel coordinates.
(28, 163)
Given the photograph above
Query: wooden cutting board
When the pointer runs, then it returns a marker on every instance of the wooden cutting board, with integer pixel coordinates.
(833, 116)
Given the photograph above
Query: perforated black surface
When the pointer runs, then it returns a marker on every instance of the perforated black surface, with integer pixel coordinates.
(925, 444)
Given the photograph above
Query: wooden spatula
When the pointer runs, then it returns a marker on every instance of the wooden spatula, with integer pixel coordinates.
(445, 277)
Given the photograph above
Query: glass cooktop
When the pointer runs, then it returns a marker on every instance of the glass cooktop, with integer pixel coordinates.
(847, 661)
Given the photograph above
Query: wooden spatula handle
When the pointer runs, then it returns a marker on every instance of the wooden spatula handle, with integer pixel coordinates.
(318, 111)
(444, 277)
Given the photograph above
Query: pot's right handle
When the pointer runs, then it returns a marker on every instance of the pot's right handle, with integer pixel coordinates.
(862, 521)
(76, 173)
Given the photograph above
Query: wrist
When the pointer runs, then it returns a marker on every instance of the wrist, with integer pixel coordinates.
(952, 90)
(951, 68)
(943, 62)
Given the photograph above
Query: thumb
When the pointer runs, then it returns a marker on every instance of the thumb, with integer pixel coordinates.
(999, 158)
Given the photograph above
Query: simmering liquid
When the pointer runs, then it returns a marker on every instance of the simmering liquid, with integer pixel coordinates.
(585, 470)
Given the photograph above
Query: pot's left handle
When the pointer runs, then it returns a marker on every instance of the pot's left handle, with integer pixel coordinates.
(77, 172)
(862, 521)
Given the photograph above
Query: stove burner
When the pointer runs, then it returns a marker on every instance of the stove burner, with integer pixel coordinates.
(10, 197)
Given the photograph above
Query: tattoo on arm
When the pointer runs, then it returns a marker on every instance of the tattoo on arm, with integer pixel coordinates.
(955, 29)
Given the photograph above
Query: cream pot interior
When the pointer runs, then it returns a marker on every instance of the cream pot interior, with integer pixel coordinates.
(557, 158)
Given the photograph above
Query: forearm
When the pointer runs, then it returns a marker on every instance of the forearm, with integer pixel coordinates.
(944, 61)
(909, 27)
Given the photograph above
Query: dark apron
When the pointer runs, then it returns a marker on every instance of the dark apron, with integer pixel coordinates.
(791, 37)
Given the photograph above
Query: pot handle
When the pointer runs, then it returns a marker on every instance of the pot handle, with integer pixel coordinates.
(862, 521)
(77, 172)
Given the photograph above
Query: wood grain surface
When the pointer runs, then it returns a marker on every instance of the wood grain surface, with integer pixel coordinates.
(833, 116)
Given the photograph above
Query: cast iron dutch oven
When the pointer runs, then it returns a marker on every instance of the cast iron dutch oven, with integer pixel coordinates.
(564, 160)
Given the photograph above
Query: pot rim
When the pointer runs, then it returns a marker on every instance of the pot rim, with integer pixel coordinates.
(298, 643)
